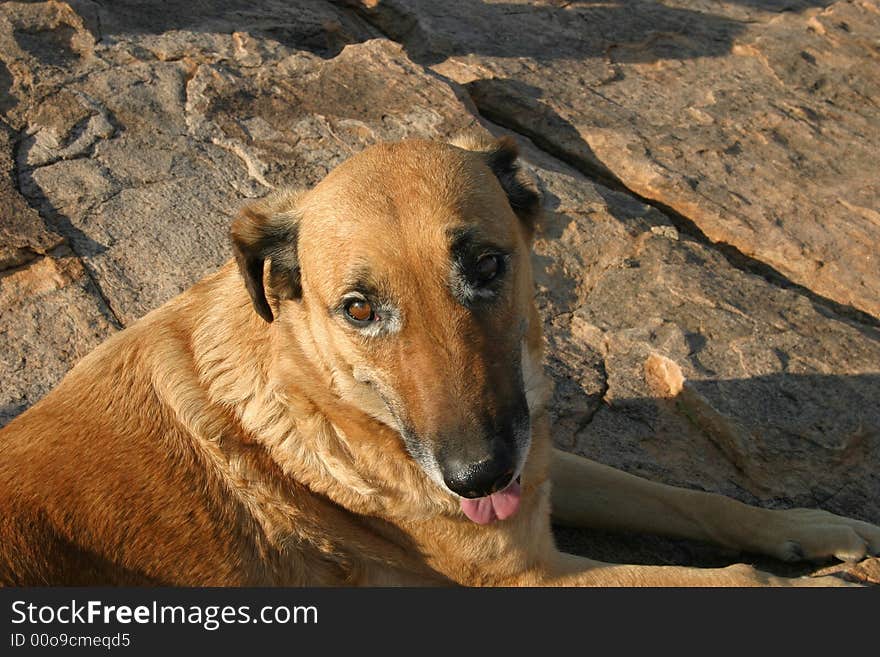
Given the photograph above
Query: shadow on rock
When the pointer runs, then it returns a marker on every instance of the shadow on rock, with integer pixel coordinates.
(302, 25)
(7, 101)
(55, 220)
(642, 31)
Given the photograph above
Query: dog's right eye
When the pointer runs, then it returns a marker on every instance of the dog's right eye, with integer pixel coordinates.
(488, 268)
(360, 311)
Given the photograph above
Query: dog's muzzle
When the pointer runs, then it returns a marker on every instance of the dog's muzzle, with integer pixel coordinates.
(489, 487)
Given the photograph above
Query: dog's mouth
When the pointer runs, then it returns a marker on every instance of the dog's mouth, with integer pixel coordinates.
(497, 506)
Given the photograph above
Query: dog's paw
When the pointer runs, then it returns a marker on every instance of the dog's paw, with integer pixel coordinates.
(813, 535)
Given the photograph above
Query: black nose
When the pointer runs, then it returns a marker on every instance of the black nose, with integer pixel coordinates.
(479, 479)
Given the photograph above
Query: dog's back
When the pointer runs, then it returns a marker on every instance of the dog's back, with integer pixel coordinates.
(97, 481)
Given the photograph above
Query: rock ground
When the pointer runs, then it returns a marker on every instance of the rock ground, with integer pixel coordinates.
(707, 268)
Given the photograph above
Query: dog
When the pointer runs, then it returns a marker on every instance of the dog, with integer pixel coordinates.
(356, 399)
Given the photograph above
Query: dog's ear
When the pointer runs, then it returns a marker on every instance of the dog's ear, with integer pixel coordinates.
(268, 230)
(501, 155)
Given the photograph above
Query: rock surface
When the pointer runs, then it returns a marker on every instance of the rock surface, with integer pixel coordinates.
(760, 126)
(707, 267)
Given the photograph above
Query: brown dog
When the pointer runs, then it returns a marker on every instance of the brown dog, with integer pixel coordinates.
(379, 419)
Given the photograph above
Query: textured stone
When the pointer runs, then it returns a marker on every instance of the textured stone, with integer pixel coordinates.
(50, 317)
(22, 234)
(41, 44)
(296, 119)
(761, 127)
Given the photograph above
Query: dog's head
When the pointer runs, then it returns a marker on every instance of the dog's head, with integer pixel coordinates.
(409, 267)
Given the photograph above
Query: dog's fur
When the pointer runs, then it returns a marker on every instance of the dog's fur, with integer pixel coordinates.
(246, 433)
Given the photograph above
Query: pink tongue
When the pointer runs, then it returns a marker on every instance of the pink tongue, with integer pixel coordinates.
(496, 506)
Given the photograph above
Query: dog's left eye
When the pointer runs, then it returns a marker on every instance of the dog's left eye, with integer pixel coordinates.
(360, 311)
(488, 268)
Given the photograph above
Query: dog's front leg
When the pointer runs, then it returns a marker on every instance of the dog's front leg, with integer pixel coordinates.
(588, 494)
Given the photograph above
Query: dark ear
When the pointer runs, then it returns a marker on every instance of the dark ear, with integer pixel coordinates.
(501, 156)
(268, 230)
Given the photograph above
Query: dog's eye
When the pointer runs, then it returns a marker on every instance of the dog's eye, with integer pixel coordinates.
(487, 269)
(360, 310)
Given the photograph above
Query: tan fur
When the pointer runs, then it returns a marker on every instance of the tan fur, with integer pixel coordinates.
(206, 446)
